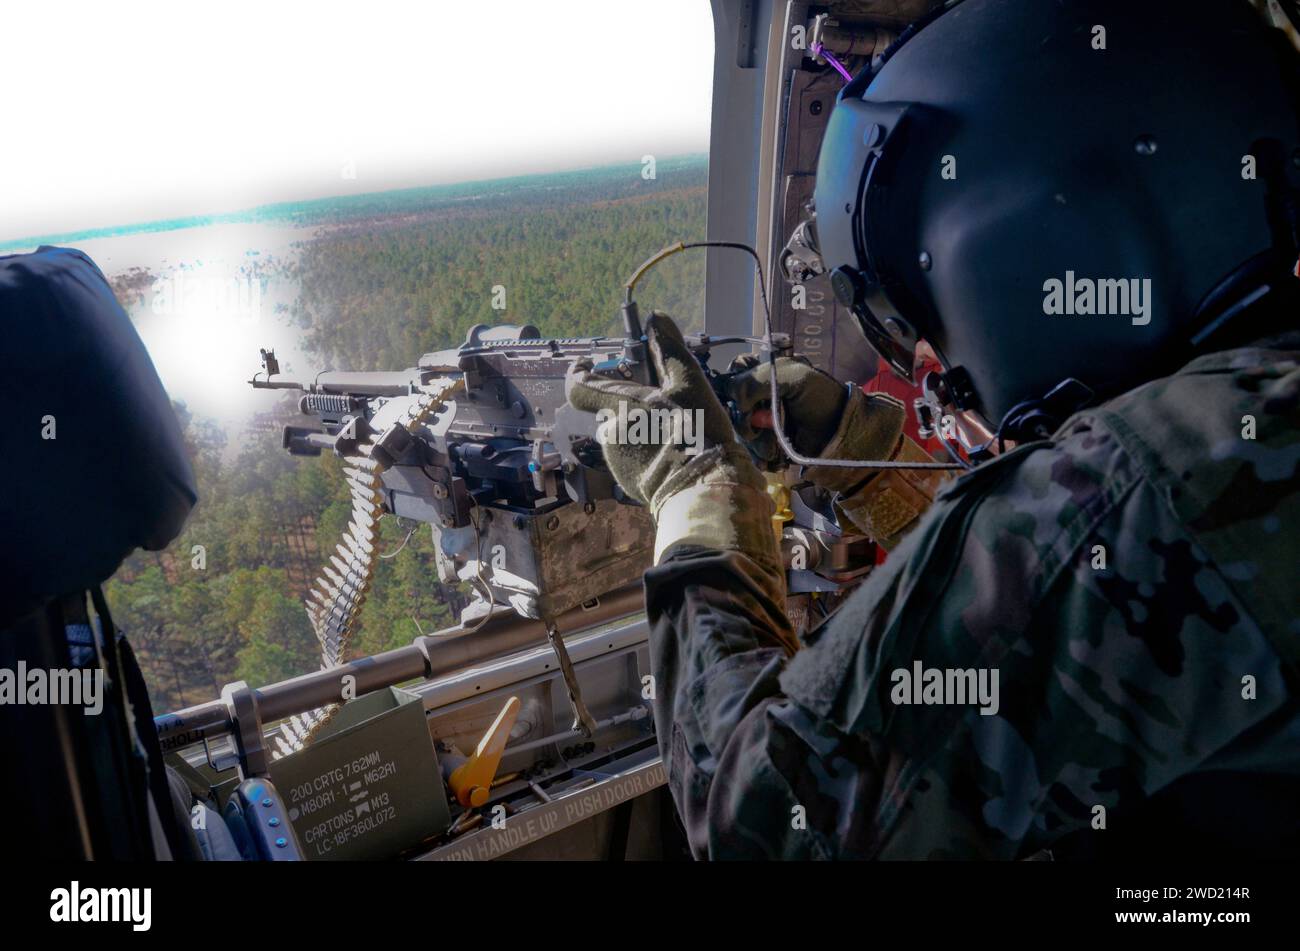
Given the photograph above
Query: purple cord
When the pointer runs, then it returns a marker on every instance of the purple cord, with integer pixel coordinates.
(819, 50)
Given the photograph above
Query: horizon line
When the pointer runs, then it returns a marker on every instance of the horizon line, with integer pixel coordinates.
(203, 220)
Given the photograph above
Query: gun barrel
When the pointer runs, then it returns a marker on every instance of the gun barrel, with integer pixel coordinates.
(352, 383)
(433, 655)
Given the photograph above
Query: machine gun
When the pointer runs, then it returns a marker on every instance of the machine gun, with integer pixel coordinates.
(510, 477)
(479, 442)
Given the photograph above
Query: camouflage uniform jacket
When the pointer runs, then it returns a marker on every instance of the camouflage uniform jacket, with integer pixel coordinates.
(1132, 581)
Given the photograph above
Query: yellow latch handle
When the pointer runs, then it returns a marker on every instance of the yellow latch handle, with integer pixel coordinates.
(472, 779)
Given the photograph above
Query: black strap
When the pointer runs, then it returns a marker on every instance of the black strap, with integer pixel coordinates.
(145, 772)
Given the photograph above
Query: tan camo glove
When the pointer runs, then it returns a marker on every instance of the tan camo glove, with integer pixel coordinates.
(700, 484)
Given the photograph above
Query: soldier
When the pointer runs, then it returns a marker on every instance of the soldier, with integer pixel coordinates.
(1089, 644)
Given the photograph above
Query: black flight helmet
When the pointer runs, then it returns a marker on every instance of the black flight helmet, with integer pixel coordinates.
(1015, 164)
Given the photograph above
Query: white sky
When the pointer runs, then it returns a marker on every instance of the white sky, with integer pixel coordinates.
(116, 113)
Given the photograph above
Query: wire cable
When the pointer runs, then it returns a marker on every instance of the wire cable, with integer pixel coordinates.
(398, 550)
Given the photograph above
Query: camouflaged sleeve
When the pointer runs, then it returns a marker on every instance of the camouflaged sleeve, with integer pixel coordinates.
(1137, 617)
(719, 638)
